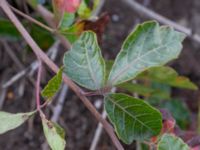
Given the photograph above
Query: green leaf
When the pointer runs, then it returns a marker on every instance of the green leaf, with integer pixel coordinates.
(11, 121)
(53, 85)
(133, 118)
(147, 46)
(54, 135)
(84, 63)
(95, 4)
(67, 20)
(167, 75)
(171, 142)
(109, 64)
(35, 3)
(157, 98)
(43, 38)
(8, 30)
(144, 90)
(84, 11)
(179, 111)
(72, 33)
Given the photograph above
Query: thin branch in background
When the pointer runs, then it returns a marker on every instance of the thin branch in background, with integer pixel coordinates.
(32, 19)
(99, 128)
(59, 106)
(3, 91)
(153, 15)
(2, 96)
(12, 54)
(30, 70)
(49, 18)
(98, 9)
(14, 79)
(98, 133)
(38, 85)
(41, 55)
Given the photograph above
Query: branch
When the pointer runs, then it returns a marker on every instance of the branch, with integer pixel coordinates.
(97, 134)
(38, 85)
(41, 55)
(32, 19)
(49, 18)
(57, 109)
(31, 68)
(151, 14)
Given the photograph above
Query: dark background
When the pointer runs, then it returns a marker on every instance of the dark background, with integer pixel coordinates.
(77, 121)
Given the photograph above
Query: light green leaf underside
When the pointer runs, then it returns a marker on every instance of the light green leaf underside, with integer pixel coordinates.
(147, 46)
(53, 85)
(9, 121)
(54, 135)
(167, 75)
(170, 142)
(84, 63)
(132, 118)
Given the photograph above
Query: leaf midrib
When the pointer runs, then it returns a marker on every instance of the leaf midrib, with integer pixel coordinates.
(89, 66)
(112, 100)
(138, 58)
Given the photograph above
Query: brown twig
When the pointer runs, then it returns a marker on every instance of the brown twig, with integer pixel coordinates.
(41, 55)
(30, 70)
(37, 87)
(153, 15)
(32, 19)
(49, 18)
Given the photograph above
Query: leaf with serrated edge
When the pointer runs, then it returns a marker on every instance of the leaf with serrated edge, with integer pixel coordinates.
(9, 121)
(147, 46)
(132, 118)
(84, 63)
(53, 85)
(53, 135)
(171, 142)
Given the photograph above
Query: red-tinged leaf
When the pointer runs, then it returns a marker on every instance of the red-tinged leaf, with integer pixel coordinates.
(154, 139)
(61, 6)
(168, 122)
(71, 6)
(168, 126)
(195, 148)
(98, 26)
